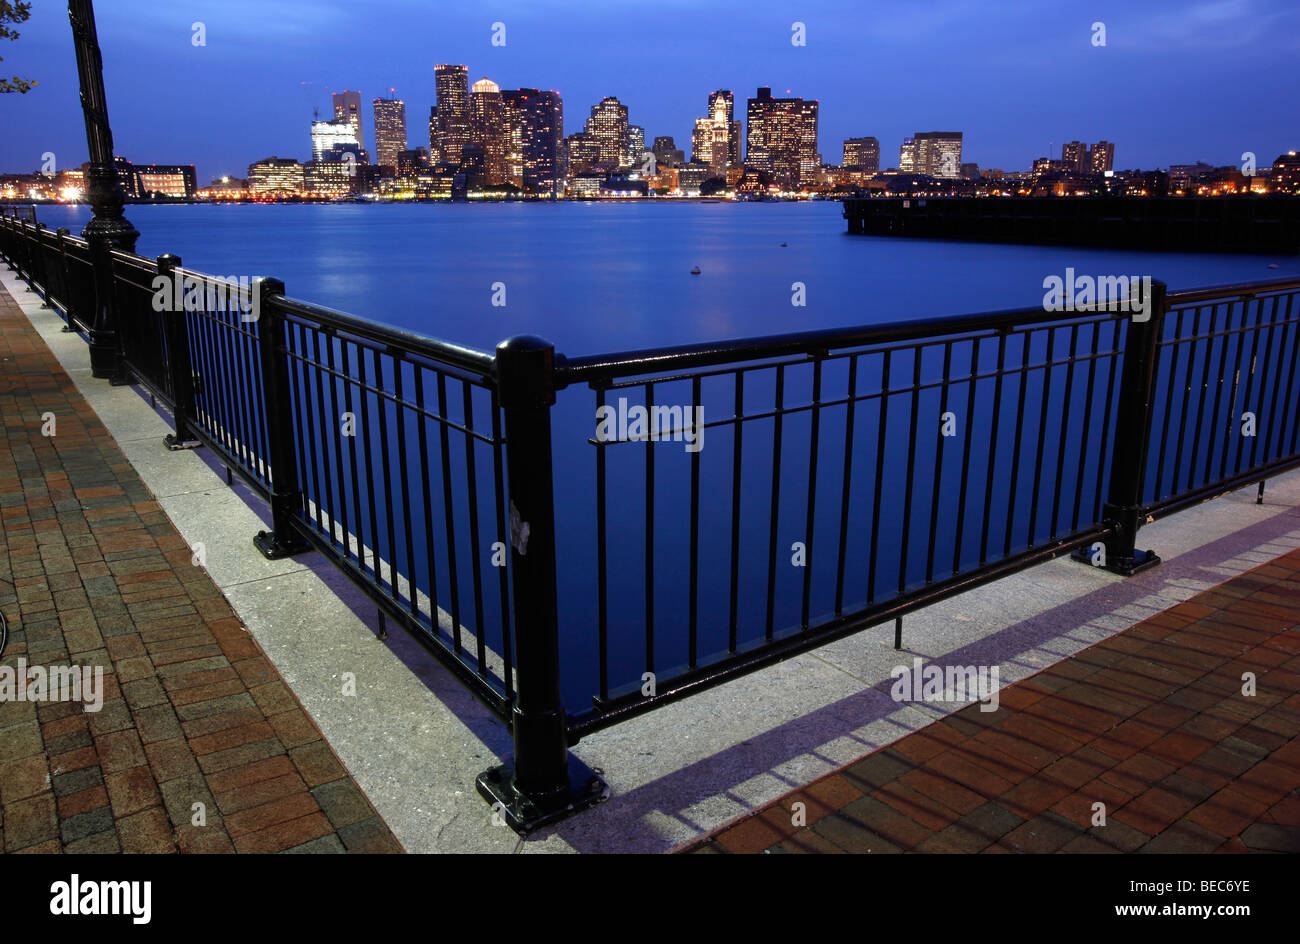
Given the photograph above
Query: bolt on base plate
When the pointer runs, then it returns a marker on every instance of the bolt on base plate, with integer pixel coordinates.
(526, 814)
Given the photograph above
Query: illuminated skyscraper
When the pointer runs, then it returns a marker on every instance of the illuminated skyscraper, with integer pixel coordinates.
(862, 153)
(782, 138)
(907, 156)
(535, 155)
(488, 131)
(607, 127)
(390, 130)
(452, 85)
(325, 135)
(938, 153)
(347, 108)
(732, 127)
(702, 141)
(635, 145)
(1101, 157)
(1075, 155)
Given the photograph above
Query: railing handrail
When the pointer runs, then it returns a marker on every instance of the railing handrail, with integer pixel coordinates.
(447, 352)
(571, 370)
(1239, 289)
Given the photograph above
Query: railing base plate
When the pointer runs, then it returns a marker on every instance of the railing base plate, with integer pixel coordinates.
(1142, 560)
(526, 814)
(176, 445)
(273, 549)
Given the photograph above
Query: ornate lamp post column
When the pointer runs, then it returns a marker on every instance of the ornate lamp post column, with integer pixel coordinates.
(108, 229)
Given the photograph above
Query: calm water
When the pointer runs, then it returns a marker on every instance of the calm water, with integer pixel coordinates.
(606, 277)
(597, 277)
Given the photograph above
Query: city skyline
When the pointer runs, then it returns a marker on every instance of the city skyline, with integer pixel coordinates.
(1004, 117)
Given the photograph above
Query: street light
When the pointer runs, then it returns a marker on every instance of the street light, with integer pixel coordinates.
(108, 229)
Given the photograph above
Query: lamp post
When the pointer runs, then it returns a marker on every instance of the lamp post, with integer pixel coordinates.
(108, 229)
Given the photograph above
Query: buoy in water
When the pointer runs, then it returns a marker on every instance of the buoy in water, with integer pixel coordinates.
(783, 245)
(1272, 265)
(695, 270)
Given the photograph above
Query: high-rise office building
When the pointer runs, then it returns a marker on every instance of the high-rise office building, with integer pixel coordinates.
(702, 141)
(488, 131)
(1101, 157)
(390, 130)
(325, 135)
(635, 145)
(667, 153)
(535, 155)
(907, 156)
(938, 153)
(862, 153)
(782, 138)
(452, 87)
(607, 128)
(581, 153)
(733, 131)
(1075, 155)
(347, 108)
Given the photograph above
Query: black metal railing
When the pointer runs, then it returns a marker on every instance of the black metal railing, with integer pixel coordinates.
(555, 531)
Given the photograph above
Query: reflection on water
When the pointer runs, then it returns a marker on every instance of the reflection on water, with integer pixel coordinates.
(596, 277)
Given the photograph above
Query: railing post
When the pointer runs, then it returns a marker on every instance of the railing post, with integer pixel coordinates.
(543, 782)
(176, 333)
(282, 540)
(39, 260)
(1132, 434)
(69, 316)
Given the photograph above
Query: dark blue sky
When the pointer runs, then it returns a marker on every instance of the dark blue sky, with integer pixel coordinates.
(1176, 82)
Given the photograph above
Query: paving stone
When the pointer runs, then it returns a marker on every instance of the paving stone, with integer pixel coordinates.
(1149, 722)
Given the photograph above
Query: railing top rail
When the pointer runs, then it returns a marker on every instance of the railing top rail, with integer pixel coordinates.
(135, 260)
(447, 352)
(600, 366)
(653, 360)
(1230, 292)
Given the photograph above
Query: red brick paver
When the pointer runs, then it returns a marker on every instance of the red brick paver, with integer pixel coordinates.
(92, 573)
(1152, 723)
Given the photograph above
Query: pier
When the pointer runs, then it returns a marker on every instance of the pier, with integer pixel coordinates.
(1254, 224)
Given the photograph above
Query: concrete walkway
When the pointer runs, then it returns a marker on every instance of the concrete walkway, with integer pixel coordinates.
(1144, 742)
(183, 736)
(414, 740)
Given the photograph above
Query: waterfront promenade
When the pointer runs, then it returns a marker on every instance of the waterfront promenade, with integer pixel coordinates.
(198, 745)
(1152, 723)
(412, 739)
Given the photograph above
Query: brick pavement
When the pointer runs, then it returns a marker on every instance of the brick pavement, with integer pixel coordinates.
(1151, 722)
(92, 573)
